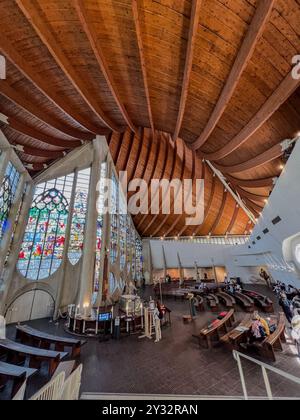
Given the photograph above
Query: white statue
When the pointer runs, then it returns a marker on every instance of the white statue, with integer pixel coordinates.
(130, 288)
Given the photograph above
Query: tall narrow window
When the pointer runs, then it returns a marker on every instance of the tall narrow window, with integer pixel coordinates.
(79, 216)
(43, 244)
(7, 195)
(114, 225)
(99, 231)
(132, 250)
(138, 259)
(123, 233)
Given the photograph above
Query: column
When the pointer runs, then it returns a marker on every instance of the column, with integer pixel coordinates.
(88, 254)
(4, 159)
(103, 283)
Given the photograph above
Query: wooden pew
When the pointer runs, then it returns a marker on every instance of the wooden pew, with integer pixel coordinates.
(36, 338)
(222, 326)
(17, 353)
(236, 336)
(213, 302)
(17, 374)
(274, 341)
(227, 299)
(260, 300)
(245, 301)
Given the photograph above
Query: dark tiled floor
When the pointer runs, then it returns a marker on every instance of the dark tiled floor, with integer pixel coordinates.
(176, 365)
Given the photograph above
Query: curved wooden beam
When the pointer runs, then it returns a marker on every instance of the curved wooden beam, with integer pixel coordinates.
(176, 194)
(254, 206)
(271, 154)
(218, 218)
(180, 216)
(245, 53)
(278, 97)
(143, 61)
(34, 151)
(233, 219)
(44, 87)
(29, 106)
(35, 18)
(209, 203)
(252, 183)
(166, 155)
(22, 128)
(155, 217)
(194, 22)
(251, 196)
(90, 33)
(203, 169)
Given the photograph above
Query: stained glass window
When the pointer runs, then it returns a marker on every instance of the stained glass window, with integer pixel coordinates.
(43, 244)
(132, 250)
(138, 258)
(103, 174)
(114, 225)
(79, 215)
(7, 195)
(123, 233)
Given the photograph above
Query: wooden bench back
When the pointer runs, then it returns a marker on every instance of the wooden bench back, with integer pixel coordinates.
(218, 325)
(272, 338)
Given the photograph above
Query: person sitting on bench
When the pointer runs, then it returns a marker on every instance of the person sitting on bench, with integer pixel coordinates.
(258, 332)
(286, 306)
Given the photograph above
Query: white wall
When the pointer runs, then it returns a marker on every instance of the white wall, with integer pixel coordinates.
(245, 261)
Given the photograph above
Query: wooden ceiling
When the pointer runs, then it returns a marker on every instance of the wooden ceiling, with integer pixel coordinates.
(171, 83)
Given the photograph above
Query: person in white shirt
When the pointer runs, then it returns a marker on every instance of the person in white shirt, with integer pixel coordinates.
(156, 322)
(296, 331)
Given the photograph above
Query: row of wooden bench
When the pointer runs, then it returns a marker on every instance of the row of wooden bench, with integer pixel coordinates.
(34, 345)
(232, 337)
(247, 299)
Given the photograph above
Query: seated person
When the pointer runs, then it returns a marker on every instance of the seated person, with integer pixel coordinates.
(258, 332)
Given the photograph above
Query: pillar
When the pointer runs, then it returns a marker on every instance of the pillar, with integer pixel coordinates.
(88, 254)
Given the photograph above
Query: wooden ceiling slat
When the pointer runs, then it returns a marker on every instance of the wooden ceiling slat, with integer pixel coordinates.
(259, 160)
(33, 15)
(259, 199)
(90, 33)
(218, 218)
(245, 53)
(22, 128)
(286, 88)
(251, 183)
(194, 22)
(18, 99)
(135, 12)
(175, 196)
(234, 216)
(43, 85)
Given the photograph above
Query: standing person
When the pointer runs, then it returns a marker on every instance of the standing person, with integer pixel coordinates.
(156, 322)
(286, 306)
(296, 332)
(265, 276)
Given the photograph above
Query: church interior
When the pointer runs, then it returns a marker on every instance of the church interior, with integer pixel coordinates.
(149, 199)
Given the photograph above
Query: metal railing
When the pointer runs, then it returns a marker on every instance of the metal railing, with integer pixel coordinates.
(265, 368)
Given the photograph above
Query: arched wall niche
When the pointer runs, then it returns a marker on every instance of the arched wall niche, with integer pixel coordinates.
(34, 301)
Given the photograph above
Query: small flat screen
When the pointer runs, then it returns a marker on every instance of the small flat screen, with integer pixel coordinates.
(106, 316)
